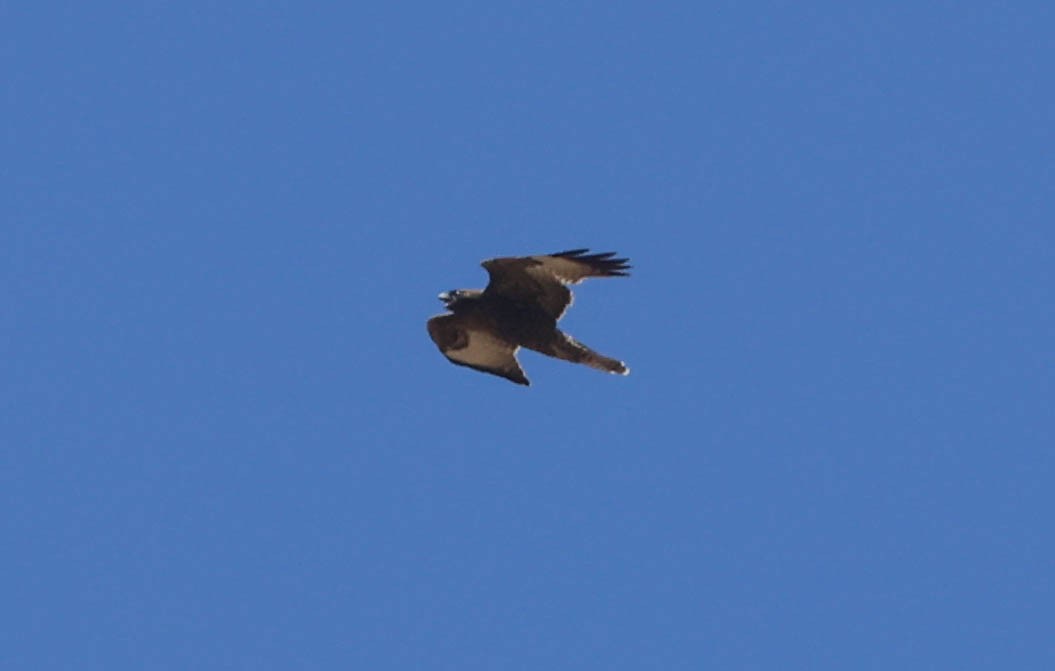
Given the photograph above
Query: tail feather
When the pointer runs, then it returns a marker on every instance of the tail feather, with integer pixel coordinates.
(569, 349)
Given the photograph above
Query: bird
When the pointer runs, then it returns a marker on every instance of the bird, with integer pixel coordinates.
(524, 299)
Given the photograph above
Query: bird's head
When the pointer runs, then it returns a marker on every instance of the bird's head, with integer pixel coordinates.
(455, 296)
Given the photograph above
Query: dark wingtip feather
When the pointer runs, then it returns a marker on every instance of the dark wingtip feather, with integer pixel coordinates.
(603, 261)
(571, 252)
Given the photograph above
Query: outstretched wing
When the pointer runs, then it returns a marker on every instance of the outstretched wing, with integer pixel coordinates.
(467, 344)
(543, 279)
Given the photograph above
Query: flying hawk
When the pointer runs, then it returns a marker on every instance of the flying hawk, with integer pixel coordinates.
(524, 298)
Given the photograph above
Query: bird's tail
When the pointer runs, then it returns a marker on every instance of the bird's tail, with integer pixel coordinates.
(568, 348)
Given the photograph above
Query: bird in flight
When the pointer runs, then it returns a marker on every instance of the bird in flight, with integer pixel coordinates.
(520, 307)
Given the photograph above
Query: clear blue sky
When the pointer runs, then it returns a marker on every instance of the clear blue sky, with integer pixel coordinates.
(228, 443)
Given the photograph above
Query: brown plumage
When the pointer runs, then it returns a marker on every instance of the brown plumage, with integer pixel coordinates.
(524, 298)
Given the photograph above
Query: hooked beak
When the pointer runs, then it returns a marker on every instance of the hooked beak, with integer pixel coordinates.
(445, 297)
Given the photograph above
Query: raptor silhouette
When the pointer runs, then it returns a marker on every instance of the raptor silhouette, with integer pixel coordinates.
(520, 307)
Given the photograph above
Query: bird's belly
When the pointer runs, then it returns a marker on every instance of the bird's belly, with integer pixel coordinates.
(523, 324)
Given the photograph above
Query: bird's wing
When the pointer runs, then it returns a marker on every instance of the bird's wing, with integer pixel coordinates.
(542, 279)
(467, 344)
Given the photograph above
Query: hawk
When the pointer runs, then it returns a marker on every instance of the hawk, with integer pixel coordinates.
(520, 307)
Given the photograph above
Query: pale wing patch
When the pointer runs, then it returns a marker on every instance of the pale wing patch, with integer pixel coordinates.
(476, 348)
(575, 265)
(565, 270)
(485, 351)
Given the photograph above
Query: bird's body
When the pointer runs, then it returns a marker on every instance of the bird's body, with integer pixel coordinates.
(520, 308)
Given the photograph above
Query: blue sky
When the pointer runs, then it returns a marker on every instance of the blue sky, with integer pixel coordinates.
(228, 443)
